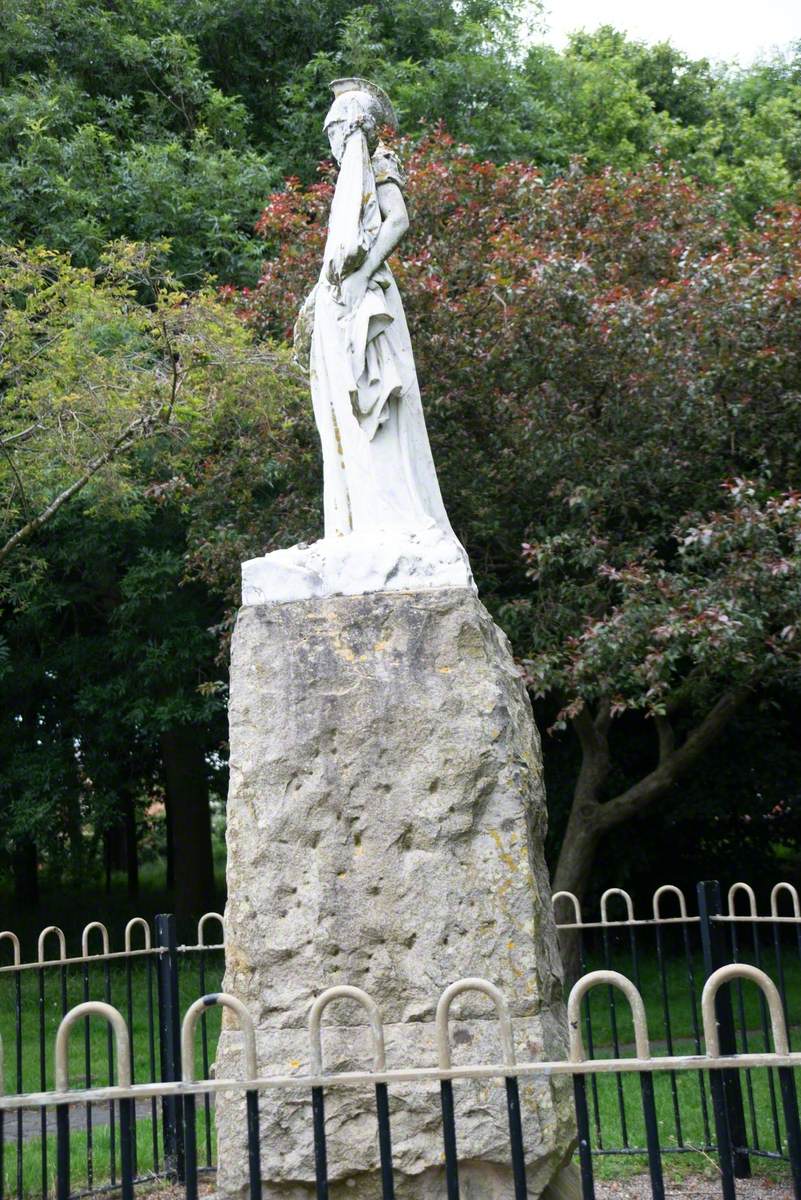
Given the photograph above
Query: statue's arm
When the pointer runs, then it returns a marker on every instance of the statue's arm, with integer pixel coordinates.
(394, 224)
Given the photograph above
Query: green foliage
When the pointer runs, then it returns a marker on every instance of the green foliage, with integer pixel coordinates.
(150, 120)
(112, 125)
(109, 641)
(77, 173)
(622, 103)
(438, 61)
(90, 368)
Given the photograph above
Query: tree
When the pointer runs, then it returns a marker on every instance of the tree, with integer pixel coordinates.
(618, 102)
(174, 121)
(610, 369)
(437, 60)
(88, 370)
(112, 648)
(79, 170)
(687, 638)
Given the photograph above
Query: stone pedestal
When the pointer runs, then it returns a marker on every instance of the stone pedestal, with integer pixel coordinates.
(385, 826)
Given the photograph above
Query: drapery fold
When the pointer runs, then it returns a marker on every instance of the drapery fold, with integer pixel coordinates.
(353, 227)
(378, 469)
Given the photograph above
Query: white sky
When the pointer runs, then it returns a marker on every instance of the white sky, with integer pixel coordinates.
(716, 29)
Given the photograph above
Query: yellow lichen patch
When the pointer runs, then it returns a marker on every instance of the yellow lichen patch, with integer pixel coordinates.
(506, 858)
(294, 1063)
(234, 959)
(379, 647)
(345, 651)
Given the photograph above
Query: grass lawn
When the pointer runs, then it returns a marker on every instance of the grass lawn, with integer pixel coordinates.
(615, 1103)
(691, 1092)
(112, 985)
(97, 1171)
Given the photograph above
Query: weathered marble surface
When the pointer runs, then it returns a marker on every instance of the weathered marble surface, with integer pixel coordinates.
(378, 472)
(385, 826)
(374, 560)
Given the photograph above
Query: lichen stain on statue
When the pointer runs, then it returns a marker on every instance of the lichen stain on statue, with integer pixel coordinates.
(386, 528)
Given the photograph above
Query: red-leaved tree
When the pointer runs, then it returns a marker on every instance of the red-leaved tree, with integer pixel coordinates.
(611, 373)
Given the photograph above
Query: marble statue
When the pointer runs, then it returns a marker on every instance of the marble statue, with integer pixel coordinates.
(385, 524)
(386, 806)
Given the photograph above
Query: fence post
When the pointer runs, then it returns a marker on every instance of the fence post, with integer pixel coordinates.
(713, 946)
(170, 1044)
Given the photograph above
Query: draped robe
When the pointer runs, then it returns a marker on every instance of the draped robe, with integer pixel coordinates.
(377, 464)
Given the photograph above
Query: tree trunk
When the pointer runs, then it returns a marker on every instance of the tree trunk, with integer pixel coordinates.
(113, 851)
(583, 832)
(25, 866)
(573, 874)
(576, 858)
(187, 795)
(590, 819)
(131, 844)
(75, 832)
(169, 847)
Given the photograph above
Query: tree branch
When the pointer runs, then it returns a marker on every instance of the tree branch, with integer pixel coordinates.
(676, 763)
(666, 735)
(584, 725)
(175, 369)
(594, 757)
(9, 457)
(22, 436)
(141, 426)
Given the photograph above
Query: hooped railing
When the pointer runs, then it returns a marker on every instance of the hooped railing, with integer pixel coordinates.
(366, 1002)
(94, 1008)
(193, 1014)
(582, 1064)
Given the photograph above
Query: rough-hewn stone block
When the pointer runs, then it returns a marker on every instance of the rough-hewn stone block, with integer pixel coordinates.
(385, 826)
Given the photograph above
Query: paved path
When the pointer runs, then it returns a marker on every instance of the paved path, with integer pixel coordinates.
(32, 1120)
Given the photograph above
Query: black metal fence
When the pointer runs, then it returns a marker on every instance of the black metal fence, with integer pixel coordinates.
(737, 1114)
(669, 954)
(507, 1072)
(146, 981)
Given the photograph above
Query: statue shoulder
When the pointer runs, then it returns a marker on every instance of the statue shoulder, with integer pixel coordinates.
(386, 166)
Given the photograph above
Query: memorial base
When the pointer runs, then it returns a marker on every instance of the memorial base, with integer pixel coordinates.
(385, 829)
